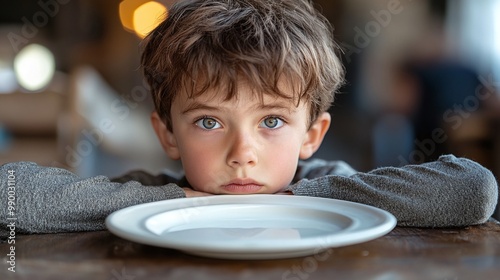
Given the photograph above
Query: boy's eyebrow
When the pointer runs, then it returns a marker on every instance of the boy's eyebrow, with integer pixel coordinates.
(199, 106)
(194, 106)
(276, 106)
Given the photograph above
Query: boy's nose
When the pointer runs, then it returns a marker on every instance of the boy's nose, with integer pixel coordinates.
(242, 151)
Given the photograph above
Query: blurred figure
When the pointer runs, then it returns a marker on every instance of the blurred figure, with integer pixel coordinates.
(447, 91)
(430, 91)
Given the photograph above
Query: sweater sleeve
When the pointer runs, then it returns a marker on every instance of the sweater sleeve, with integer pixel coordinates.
(38, 199)
(449, 192)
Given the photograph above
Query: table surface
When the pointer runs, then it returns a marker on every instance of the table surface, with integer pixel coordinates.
(405, 253)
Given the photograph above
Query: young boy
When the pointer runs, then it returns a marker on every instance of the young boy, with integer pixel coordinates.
(241, 90)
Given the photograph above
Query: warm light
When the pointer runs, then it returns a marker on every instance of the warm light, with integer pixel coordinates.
(34, 67)
(126, 10)
(147, 17)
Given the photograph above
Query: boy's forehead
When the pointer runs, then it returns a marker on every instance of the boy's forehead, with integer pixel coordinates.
(243, 94)
(241, 98)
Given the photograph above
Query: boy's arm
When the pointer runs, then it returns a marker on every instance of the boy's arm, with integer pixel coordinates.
(46, 199)
(448, 192)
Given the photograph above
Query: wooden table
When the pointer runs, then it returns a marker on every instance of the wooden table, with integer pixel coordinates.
(404, 253)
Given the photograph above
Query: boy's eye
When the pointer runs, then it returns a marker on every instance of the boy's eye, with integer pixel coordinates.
(207, 123)
(272, 122)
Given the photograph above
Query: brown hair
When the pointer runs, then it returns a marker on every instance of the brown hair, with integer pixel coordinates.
(204, 45)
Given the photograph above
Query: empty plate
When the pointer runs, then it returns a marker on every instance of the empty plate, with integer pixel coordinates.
(251, 226)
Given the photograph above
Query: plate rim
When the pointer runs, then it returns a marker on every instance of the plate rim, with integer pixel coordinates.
(294, 248)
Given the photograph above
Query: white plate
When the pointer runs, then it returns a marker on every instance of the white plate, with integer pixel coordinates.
(251, 226)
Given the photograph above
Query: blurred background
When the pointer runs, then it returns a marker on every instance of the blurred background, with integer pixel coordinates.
(423, 79)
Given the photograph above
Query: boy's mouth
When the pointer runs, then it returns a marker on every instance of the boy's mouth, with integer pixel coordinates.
(242, 186)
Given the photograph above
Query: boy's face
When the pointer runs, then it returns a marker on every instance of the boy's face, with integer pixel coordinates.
(242, 145)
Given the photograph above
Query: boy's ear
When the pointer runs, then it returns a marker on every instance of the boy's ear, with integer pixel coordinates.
(166, 137)
(315, 136)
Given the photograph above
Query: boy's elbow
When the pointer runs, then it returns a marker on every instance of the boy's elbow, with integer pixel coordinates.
(483, 195)
(470, 196)
(489, 195)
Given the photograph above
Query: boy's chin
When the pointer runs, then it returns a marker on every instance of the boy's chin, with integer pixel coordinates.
(239, 191)
(242, 189)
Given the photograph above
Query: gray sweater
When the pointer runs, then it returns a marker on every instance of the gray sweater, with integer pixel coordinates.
(448, 192)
